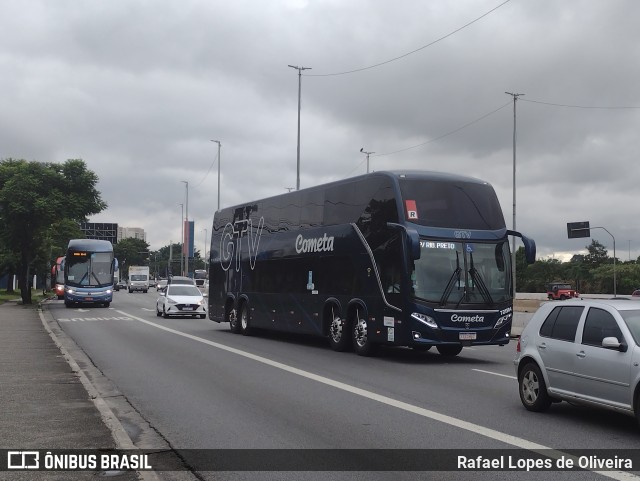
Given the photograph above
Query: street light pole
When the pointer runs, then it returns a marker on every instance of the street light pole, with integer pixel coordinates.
(367, 154)
(182, 237)
(219, 145)
(205, 250)
(513, 240)
(299, 69)
(185, 249)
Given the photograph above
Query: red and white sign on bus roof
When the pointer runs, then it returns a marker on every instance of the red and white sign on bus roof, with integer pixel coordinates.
(412, 210)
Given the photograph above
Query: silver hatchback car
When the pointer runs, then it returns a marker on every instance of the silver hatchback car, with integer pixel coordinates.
(583, 351)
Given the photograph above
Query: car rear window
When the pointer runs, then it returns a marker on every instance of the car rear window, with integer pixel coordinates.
(562, 323)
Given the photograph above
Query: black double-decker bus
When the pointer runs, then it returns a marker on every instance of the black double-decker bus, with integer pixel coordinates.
(411, 258)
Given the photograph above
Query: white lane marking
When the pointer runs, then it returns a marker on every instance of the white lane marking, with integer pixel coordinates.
(427, 413)
(495, 373)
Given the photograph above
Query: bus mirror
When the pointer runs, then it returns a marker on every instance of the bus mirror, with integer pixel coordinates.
(529, 246)
(413, 239)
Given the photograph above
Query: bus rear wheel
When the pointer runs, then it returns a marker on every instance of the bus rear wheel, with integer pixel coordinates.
(339, 334)
(234, 322)
(362, 344)
(245, 328)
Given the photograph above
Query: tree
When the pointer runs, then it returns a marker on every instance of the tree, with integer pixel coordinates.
(34, 198)
(131, 252)
(597, 254)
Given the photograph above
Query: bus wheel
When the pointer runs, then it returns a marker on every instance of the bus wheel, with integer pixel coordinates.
(107, 304)
(361, 340)
(447, 350)
(339, 338)
(234, 322)
(245, 328)
(67, 304)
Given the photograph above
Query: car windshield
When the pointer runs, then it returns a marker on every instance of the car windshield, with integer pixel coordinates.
(183, 290)
(632, 320)
(462, 272)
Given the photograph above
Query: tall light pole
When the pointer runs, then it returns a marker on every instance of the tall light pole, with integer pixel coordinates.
(513, 239)
(299, 69)
(185, 249)
(367, 154)
(205, 250)
(182, 238)
(219, 145)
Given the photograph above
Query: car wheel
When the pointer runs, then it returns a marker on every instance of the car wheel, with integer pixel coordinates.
(339, 334)
(245, 328)
(449, 351)
(164, 314)
(203, 316)
(362, 344)
(158, 313)
(533, 390)
(421, 348)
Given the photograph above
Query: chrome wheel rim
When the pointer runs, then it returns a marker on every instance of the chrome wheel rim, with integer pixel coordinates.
(360, 332)
(336, 329)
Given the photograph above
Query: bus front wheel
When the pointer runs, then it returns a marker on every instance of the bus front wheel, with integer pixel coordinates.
(339, 334)
(448, 350)
(362, 344)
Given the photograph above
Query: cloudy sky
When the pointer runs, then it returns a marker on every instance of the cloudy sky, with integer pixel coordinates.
(139, 88)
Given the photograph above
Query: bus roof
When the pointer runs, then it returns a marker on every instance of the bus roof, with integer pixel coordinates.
(94, 245)
(394, 176)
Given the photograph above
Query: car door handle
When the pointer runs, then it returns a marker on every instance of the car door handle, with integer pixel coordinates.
(542, 346)
(581, 354)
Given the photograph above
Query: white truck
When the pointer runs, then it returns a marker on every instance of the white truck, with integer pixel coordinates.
(138, 278)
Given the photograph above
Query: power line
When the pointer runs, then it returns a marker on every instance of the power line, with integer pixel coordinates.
(579, 106)
(468, 124)
(413, 51)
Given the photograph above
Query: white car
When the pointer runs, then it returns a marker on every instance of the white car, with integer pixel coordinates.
(181, 300)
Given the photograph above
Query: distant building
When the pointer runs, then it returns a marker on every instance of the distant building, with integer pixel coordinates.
(101, 231)
(131, 233)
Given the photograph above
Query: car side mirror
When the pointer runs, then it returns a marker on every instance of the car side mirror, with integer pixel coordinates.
(613, 343)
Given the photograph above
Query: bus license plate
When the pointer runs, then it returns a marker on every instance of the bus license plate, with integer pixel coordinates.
(467, 336)
(88, 298)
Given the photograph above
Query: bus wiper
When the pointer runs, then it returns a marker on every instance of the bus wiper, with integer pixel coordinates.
(454, 276)
(478, 281)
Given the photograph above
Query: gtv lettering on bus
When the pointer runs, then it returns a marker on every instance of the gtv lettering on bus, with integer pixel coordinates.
(230, 242)
(319, 244)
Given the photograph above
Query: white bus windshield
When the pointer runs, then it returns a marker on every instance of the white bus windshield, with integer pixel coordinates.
(451, 273)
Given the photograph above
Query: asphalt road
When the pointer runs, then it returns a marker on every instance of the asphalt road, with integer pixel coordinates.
(201, 387)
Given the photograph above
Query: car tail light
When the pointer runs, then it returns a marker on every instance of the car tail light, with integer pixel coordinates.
(518, 346)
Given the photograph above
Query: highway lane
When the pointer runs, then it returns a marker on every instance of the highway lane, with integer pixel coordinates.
(203, 387)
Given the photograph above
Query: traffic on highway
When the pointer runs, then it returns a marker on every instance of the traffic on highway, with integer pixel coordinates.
(202, 388)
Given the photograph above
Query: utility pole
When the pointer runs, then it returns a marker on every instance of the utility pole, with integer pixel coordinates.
(182, 237)
(219, 145)
(367, 154)
(513, 240)
(185, 248)
(299, 69)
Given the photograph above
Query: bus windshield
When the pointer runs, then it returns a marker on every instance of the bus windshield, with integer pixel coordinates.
(89, 269)
(453, 273)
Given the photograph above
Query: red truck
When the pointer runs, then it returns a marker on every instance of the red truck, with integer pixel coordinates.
(560, 291)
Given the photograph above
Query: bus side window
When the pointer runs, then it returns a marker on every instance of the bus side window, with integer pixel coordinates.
(389, 259)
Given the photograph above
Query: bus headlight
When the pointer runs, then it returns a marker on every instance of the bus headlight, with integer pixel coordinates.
(69, 290)
(424, 319)
(502, 320)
